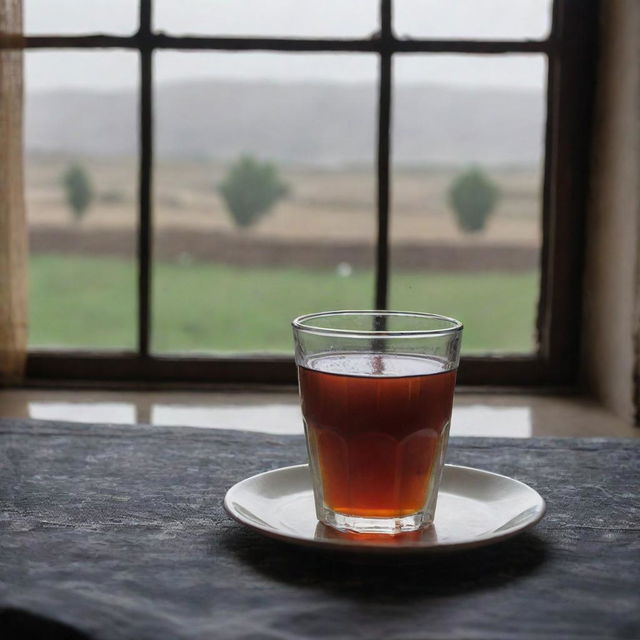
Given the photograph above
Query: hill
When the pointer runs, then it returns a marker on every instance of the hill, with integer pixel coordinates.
(315, 124)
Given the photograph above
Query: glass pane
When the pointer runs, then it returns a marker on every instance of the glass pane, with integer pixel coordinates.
(264, 196)
(81, 146)
(467, 194)
(473, 19)
(116, 17)
(301, 18)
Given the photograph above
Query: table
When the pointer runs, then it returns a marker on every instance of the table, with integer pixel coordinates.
(113, 532)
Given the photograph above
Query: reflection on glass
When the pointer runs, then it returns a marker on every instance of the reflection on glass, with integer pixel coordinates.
(466, 223)
(293, 18)
(119, 17)
(473, 19)
(264, 197)
(81, 199)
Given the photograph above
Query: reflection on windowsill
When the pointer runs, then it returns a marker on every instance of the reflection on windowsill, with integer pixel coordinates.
(106, 412)
(280, 419)
(477, 420)
(496, 422)
(268, 418)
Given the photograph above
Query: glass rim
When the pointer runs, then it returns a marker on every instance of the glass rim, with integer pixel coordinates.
(299, 324)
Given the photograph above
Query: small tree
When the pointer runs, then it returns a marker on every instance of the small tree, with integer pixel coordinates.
(78, 190)
(473, 197)
(250, 189)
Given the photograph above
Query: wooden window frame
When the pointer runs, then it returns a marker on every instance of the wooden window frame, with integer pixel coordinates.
(571, 53)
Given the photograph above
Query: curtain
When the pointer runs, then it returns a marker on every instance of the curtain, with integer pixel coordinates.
(13, 227)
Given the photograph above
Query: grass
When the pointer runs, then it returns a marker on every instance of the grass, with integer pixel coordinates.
(81, 302)
(90, 302)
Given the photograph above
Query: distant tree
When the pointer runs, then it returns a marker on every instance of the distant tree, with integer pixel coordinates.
(250, 190)
(473, 196)
(78, 190)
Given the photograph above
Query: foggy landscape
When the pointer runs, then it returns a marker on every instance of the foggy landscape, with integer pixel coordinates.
(294, 122)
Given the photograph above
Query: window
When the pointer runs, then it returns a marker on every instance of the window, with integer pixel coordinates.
(363, 175)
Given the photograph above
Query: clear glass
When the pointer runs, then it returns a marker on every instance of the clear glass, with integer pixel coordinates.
(81, 197)
(376, 389)
(487, 120)
(473, 19)
(292, 18)
(225, 283)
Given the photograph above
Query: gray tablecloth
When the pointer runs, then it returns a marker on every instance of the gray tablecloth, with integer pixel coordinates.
(119, 532)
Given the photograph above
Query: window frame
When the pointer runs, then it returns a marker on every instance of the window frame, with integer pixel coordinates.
(571, 54)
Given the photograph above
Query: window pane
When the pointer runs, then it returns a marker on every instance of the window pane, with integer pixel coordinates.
(118, 17)
(473, 19)
(298, 18)
(466, 223)
(81, 146)
(293, 229)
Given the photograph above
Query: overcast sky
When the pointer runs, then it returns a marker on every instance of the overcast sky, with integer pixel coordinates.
(310, 18)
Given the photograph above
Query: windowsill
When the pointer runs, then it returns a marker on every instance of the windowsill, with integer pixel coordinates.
(518, 415)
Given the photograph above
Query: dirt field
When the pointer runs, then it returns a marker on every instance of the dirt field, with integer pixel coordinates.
(324, 206)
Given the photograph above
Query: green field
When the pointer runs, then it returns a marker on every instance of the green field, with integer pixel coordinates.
(90, 302)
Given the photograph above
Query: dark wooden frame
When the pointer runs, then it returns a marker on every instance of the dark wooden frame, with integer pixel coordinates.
(571, 53)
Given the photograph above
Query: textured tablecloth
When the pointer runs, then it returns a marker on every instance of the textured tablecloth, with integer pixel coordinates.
(119, 532)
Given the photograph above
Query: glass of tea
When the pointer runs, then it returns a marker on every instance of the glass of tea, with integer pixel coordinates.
(376, 389)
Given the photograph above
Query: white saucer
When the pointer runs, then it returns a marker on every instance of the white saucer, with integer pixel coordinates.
(475, 508)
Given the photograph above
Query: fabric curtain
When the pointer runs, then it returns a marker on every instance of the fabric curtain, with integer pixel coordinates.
(13, 226)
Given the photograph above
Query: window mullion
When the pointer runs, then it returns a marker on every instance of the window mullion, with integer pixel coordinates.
(145, 177)
(384, 156)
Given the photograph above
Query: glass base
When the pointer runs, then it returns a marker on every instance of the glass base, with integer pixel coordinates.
(390, 526)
